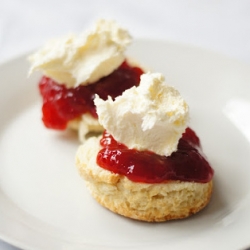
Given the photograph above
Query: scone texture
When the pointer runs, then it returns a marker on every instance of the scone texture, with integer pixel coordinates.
(140, 201)
(84, 125)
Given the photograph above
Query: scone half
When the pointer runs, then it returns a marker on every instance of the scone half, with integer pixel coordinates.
(140, 201)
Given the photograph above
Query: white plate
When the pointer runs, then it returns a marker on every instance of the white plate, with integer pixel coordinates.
(44, 203)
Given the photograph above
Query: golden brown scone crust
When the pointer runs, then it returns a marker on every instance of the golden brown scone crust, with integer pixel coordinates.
(140, 201)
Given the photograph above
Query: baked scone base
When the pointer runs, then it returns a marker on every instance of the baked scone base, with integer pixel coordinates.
(140, 201)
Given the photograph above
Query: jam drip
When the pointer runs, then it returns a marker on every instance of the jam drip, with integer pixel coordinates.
(61, 104)
(186, 164)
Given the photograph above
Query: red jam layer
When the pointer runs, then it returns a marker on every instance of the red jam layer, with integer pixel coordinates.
(186, 164)
(61, 104)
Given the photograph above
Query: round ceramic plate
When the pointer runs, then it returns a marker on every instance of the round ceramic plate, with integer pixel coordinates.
(44, 203)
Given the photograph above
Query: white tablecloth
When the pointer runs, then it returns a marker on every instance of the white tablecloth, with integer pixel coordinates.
(220, 25)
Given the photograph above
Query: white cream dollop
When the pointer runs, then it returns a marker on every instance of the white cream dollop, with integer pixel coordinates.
(152, 116)
(84, 59)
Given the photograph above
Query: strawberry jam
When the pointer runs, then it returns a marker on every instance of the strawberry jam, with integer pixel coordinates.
(61, 104)
(186, 164)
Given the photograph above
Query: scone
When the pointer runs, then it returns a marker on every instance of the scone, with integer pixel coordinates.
(148, 165)
(142, 201)
(75, 68)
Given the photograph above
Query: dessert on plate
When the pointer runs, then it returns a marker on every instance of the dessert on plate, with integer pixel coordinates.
(75, 68)
(148, 164)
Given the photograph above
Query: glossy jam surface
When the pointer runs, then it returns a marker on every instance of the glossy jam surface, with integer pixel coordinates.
(186, 164)
(61, 104)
